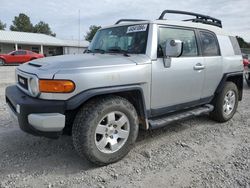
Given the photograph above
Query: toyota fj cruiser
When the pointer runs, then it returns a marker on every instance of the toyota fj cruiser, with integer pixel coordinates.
(136, 73)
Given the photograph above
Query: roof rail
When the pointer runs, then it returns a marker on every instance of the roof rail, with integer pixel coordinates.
(129, 20)
(200, 18)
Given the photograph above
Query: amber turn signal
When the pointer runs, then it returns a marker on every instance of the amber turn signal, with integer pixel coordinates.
(56, 86)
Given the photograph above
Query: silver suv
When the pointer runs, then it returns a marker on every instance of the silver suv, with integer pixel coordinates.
(135, 74)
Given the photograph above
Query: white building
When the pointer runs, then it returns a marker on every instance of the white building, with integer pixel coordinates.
(40, 43)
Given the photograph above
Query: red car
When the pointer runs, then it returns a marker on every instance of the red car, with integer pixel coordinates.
(19, 56)
(246, 64)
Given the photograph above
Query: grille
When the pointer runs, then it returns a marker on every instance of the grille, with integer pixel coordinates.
(22, 81)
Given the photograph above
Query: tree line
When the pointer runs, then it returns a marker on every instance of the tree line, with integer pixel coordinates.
(22, 23)
(242, 42)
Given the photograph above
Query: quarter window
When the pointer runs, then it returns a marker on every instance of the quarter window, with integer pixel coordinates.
(235, 45)
(209, 44)
(186, 36)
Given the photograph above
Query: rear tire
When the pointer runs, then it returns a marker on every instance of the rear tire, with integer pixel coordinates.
(225, 103)
(247, 78)
(105, 129)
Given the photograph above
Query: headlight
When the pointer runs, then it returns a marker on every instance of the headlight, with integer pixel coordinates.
(34, 88)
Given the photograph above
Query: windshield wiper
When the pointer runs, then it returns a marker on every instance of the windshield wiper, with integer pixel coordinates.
(99, 50)
(124, 52)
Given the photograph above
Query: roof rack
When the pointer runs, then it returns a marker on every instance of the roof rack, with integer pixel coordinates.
(199, 17)
(129, 20)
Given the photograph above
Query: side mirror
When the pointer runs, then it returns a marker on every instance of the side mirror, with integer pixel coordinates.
(173, 48)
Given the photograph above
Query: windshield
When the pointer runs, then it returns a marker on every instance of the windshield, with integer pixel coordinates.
(13, 52)
(123, 39)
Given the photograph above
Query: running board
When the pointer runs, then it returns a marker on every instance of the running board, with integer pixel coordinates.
(163, 121)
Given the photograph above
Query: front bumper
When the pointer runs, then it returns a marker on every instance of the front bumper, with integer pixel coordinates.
(36, 116)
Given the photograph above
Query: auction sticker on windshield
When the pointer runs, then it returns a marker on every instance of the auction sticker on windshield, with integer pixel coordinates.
(137, 28)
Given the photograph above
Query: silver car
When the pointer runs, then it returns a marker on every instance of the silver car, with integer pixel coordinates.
(135, 74)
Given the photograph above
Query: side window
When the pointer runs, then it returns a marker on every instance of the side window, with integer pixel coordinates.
(21, 52)
(15, 53)
(209, 45)
(186, 36)
(235, 45)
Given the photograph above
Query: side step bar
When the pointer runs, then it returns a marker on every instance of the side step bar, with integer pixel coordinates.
(165, 120)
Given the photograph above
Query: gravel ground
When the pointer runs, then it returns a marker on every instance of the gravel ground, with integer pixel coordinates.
(192, 153)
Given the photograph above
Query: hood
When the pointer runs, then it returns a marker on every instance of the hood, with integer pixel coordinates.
(50, 65)
(79, 61)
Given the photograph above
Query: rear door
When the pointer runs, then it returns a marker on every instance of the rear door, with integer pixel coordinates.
(181, 84)
(22, 56)
(29, 55)
(212, 61)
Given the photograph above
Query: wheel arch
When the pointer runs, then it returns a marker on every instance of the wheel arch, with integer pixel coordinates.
(33, 58)
(4, 59)
(134, 94)
(236, 78)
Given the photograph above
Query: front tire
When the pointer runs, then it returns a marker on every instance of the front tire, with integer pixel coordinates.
(105, 129)
(225, 103)
(2, 62)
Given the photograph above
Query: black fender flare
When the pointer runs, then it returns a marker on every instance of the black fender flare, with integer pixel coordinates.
(228, 76)
(76, 101)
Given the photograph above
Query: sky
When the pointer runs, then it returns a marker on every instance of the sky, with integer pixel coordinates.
(63, 15)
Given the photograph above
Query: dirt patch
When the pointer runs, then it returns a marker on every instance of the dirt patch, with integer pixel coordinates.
(193, 153)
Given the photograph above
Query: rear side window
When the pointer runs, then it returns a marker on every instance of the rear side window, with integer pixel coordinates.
(209, 44)
(186, 36)
(20, 52)
(235, 45)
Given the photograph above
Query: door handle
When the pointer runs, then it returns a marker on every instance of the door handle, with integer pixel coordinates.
(199, 66)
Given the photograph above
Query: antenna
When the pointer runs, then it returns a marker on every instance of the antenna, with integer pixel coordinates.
(79, 12)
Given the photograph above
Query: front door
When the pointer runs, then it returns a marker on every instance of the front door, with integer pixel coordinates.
(180, 84)
(19, 56)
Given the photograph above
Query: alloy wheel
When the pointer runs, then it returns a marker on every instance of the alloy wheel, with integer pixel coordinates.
(229, 102)
(112, 132)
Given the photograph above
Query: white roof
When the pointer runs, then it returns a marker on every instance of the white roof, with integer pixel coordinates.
(37, 39)
(212, 28)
